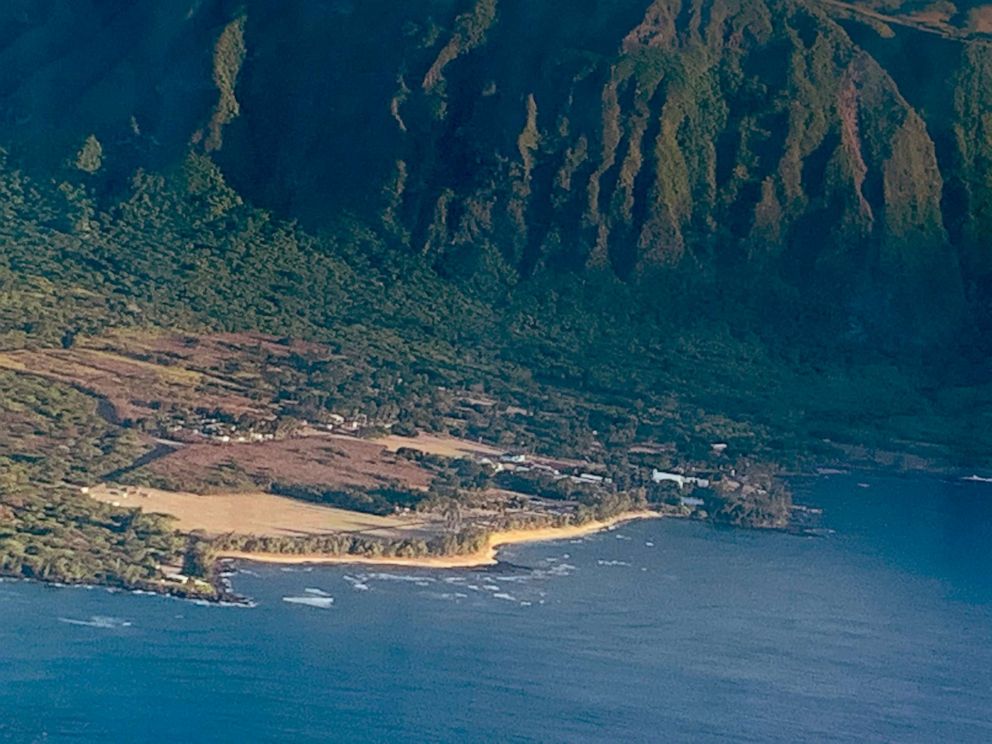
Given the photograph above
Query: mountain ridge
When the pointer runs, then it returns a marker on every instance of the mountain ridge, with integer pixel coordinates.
(500, 139)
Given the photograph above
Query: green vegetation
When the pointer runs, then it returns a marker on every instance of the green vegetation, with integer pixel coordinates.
(90, 155)
(184, 252)
(369, 500)
(469, 32)
(53, 438)
(467, 542)
(720, 233)
(229, 55)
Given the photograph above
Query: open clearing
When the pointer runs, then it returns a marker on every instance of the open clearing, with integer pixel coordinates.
(438, 445)
(324, 461)
(260, 514)
(143, 376)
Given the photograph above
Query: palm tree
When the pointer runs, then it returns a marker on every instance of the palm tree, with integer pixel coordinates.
(453, 515)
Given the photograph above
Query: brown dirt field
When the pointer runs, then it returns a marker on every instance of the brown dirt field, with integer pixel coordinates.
(203, 351)
(445, 446)
(980, 20)
(315, 461)
(259, 514)
(130, 385)
(434, 444)
(136, 373)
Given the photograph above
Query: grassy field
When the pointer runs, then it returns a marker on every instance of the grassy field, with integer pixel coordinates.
(257, 513)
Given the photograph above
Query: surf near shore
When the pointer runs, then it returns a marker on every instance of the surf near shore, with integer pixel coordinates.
(487, 556)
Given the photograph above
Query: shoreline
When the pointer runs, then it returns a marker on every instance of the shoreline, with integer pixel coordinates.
(487, 556)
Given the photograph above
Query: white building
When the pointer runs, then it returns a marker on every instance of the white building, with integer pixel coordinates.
(660, 476)
(514, 458)
(591, 478)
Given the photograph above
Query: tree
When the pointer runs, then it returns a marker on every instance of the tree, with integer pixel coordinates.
(90, 156)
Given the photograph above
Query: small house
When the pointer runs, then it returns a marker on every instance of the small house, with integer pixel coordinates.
(591, 478)
(514, 458)
(660, 476)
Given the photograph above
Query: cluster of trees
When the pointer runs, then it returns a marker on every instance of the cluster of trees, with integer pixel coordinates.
(754, 498)
(580, 368)
(591, 365)
(380, 500)
(52, 440)
(465, 542)
(537, 483)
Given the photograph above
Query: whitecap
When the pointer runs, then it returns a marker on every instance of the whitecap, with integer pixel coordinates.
(612, 563)
(382, 576)
(440, 595)
(504, 595)
(649, 544)
(322, 603)
(98, 621)
(357, 584)
(974, 478)
(316, 592)
(515, 579)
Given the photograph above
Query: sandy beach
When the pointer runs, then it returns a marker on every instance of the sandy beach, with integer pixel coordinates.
(485, 557)
(268, 515)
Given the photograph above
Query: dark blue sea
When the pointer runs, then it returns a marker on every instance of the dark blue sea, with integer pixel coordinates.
(880, 630)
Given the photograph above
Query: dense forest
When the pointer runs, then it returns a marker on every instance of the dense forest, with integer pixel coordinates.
(839, 163)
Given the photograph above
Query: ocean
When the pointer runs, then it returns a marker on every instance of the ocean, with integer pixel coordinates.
(879, 629)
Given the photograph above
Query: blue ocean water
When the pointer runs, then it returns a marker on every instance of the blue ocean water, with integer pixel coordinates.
(659, 631)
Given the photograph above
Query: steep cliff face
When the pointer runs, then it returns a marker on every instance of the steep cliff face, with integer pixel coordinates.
(632, 135)
(504, 138)
(971, 168)
(135, 75)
